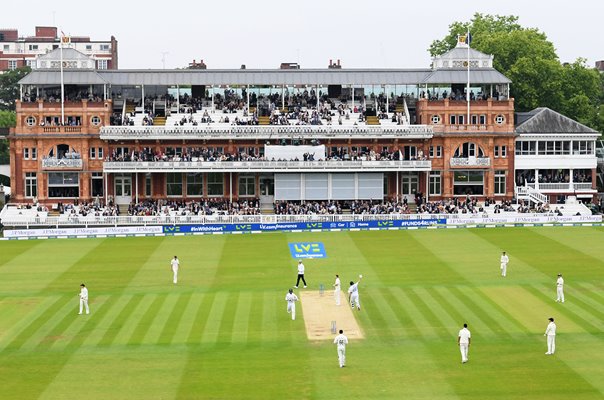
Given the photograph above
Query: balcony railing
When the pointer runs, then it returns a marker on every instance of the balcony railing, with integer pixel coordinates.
(222, 131)
(75, 163)
(564, 186)
(470, 162)
(266, 166)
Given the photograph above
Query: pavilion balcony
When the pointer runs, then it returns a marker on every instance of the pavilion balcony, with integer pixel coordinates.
(224, 131)
(264, 166)
(562, 187)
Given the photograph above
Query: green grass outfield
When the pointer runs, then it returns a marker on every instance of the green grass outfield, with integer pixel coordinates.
(223, 332)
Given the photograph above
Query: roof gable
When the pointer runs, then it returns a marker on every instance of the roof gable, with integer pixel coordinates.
(545, 120)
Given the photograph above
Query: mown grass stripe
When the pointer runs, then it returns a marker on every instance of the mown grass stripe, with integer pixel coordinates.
(576, 309)
(133, 320)
(591, 290)
(48, 332)
(40, 321)
(450, 323)
(388, 316)
(212, 327)
(480, 310)
(144, 322)
(472, 314)
(120, 320)
(585, 301)
(401, 313)
(105, 323)
(371, 320)
(78, 325)
(162, 315)
(269, 318)
(424, 308)
(188, 318)
(242, 318)
(13, 332)
(255, 322)
(174, 319)
(200, 319)
(225, 328)
(504, 319)
(421, 325)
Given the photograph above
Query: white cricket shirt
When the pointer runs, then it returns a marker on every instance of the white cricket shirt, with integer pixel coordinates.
(464, 336)
(300, 269)
(175, 263)
(551, 329)
(341, 340)
(560, 282)
(291, 297)
(84, 293)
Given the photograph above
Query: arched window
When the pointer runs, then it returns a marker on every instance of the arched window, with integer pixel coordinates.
(468, 149)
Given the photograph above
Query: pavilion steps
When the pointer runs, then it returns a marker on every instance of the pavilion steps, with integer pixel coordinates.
(159, 121)
(372, 120)
(264, 120)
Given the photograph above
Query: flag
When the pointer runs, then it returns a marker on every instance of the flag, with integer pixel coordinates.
(468, 38)
(65, 39)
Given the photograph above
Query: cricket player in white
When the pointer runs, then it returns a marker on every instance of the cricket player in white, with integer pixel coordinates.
(300, 274)
(353, 294)
(175, 265)
(550, 332)
(84, 299)
(291, 299)
(560, 289)
(336, 290)
(504, 263)
(463, 340)
(341, 341)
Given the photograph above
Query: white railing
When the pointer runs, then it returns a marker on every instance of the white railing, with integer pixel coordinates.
(221, 131)
(225, 166)
(562, 186)
(62, 163)
(530, 193)
(470, 162)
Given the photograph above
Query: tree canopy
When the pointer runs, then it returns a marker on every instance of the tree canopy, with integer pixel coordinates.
(9, 87)
(529, 59)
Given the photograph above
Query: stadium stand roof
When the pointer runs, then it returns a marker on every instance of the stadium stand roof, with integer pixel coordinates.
(545, 120)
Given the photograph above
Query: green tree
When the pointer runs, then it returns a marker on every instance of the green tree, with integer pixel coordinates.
(8, 119)
(9, 87)
(529, 59)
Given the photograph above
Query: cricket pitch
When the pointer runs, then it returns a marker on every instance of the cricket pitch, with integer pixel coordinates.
(319, 311)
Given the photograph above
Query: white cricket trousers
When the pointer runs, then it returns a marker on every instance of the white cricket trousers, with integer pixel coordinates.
(175, 270)
(504, 269)
(354, 301)
(291, 308)
(560, 292)
(463, 348)
(342, 355)
(84, 304)
(551, 344)
(336, 296)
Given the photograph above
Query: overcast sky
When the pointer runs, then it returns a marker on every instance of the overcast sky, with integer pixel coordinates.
(264, 33)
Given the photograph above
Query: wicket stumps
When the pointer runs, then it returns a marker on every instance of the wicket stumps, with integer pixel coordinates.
(334, 328)
(321, 289)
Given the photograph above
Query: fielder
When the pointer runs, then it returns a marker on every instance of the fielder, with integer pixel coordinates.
(84, 299)
(353, 294)
(291, 299)
(336, 290)
(463, 340)
(341, 341)
(560, 289)
(504, 264)
(175, 264)
(550, 332)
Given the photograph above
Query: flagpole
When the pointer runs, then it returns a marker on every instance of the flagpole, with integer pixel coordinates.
(468, 86)
(62, 84)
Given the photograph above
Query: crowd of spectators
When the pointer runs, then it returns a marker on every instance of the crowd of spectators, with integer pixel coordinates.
(201, 207)
(195, 154)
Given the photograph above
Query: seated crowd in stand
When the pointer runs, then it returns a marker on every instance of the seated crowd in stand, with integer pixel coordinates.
(202, 207)
(204, 154)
